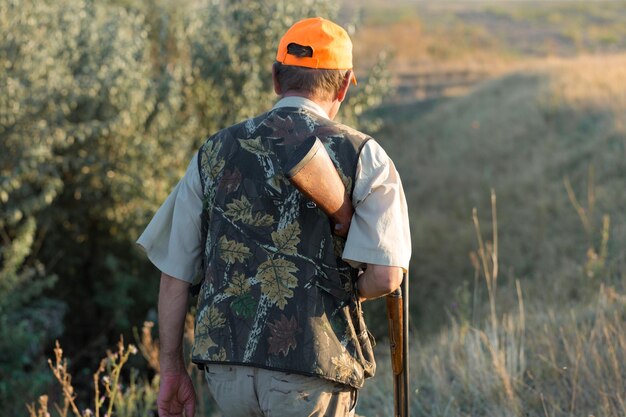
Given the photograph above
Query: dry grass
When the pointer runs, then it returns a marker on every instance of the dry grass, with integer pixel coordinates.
(590, 82)
(479, 39)
(108, 392)
(551, 362)
(117, 391)
(550, 137)
(555, 365)
(521, 134)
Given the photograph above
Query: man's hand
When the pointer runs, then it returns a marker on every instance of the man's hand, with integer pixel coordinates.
(378, 280)
(176, 393)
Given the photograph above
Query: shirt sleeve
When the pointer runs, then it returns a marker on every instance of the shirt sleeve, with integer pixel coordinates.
(379, 233)
(172, 239)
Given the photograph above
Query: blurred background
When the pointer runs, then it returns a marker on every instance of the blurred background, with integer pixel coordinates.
(506, 120)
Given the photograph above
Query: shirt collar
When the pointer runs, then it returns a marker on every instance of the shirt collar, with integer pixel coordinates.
(301, 102)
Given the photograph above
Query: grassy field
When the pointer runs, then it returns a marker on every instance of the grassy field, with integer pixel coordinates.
(521, 129)
(528, 99)
(550, 138)
(466, 42)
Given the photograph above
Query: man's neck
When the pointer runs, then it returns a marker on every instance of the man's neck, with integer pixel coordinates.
(326, 105)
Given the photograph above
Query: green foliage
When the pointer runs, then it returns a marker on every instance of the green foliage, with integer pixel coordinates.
(17, 281)
(25, 326)
(85, 145)
(232, 68)
(24, 334)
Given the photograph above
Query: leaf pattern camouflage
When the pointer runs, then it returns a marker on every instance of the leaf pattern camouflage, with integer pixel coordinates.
(276, 293)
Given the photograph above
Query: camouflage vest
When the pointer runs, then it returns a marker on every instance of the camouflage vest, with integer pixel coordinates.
(275, 292)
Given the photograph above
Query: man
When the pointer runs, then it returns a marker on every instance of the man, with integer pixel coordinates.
(279, 329)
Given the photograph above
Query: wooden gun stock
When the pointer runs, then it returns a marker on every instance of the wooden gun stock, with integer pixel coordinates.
(396, 333)
(398, 322)
(311, 171)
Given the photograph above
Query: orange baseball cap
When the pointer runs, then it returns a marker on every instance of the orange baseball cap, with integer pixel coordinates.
(330, 45)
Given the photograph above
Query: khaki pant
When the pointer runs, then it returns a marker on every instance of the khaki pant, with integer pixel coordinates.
(246, 391)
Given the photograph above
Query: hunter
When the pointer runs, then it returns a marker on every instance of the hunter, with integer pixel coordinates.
(279, 329)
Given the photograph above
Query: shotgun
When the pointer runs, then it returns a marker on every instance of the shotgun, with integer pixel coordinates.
(311, 171)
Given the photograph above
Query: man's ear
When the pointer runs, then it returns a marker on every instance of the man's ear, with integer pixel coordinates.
(345, 84)
(277, 88)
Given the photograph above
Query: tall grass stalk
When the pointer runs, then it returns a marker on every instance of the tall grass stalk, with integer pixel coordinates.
(134, 401)
(59, 369)
(505, 348)
(585, 214)
(596, 257)
(487, 253)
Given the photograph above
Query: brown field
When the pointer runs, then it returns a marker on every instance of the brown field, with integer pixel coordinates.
(527, 98)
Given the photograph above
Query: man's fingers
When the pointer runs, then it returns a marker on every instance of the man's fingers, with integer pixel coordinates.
(176, 394)
(166, 410)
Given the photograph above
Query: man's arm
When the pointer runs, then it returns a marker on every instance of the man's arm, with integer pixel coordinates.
(378, 280)
(176, 392)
